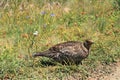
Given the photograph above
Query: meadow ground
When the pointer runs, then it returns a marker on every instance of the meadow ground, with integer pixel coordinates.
(27, 26)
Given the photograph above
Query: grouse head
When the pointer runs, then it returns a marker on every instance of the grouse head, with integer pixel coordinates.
(88, 43)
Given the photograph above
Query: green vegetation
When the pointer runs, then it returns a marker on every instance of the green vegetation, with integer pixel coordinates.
(56, 21)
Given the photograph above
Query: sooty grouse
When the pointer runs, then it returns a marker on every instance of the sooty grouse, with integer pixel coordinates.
(68, 52)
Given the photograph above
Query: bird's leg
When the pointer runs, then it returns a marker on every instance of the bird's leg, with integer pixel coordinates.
(77, 63)
(81, 62)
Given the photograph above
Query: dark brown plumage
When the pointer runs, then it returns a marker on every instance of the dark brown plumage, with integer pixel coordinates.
(68, 52)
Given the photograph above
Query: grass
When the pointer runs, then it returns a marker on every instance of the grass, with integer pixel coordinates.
(56, 21)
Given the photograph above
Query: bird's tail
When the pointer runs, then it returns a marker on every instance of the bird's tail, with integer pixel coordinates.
(45, 54)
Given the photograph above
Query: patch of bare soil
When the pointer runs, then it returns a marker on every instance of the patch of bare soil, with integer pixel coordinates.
(107, 72)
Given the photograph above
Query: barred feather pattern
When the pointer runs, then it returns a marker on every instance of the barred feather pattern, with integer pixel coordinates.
(71, 51)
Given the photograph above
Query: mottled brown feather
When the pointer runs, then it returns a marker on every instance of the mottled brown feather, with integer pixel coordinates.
(68, 52)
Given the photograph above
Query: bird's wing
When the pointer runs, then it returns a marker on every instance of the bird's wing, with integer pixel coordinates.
(68, 48)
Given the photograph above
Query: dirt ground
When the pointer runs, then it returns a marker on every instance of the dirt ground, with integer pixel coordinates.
(112, 72)
(115, 75)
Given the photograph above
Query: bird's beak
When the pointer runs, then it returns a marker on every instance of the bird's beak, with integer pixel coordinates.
(92, 42)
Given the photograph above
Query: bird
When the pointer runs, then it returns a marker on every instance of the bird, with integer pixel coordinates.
(70, 52)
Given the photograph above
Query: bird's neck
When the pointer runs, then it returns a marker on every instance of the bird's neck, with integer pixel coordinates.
(87, 46)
